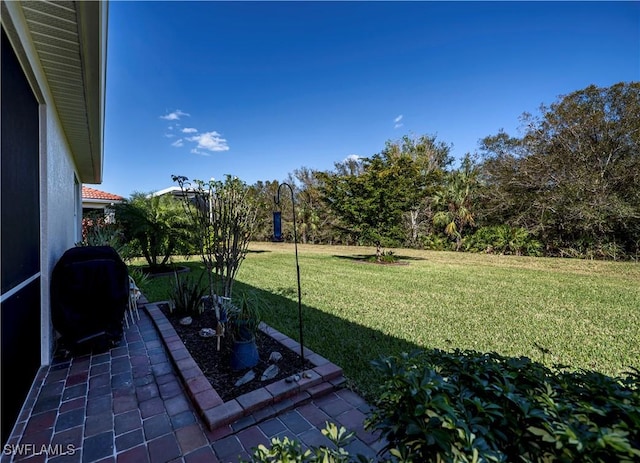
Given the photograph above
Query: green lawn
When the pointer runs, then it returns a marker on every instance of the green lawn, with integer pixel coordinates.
(585, 314)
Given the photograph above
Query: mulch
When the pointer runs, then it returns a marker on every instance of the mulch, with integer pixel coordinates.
(216, 365)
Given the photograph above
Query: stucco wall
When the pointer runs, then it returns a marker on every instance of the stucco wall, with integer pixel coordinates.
(61, 191)
(59, 222)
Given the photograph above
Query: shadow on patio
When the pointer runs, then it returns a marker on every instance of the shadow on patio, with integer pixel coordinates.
(128, 404)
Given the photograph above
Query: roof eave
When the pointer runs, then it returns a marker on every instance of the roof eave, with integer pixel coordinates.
(92, 29)
(65, 43)
(101, 201)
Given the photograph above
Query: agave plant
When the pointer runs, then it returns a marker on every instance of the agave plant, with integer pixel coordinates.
(186, 294)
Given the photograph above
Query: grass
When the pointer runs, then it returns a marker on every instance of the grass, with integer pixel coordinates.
(584, 314)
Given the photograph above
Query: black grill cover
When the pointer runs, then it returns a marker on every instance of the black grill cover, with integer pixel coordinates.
(89, 294)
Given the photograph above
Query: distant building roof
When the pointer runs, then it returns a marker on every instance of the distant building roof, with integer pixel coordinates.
(92, 193)
(173, 190)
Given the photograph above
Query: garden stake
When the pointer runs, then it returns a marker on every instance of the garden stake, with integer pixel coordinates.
(219, 333)
(277, 233)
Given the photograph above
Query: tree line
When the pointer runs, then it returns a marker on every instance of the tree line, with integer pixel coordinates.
(568, 185)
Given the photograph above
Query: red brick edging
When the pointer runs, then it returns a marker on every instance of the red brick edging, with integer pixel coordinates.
(262, 403)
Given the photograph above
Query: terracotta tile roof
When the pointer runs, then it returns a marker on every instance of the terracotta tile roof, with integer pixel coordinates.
(92, 193)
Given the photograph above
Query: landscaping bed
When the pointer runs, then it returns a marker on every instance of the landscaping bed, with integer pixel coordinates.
(216, 365)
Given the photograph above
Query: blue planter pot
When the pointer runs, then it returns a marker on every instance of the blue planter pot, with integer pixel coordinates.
(244, 355)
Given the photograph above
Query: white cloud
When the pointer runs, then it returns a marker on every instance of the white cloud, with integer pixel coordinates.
(210, 141)
(397, 123)
(352, 158)
(202, 143)
(174, 116)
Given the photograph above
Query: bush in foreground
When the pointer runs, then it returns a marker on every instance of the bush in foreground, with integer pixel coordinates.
(287, 450)
(466, 406)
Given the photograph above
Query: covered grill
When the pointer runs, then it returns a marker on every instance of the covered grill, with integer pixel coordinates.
(89, 295)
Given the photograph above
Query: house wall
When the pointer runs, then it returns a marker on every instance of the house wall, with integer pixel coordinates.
(60, 222)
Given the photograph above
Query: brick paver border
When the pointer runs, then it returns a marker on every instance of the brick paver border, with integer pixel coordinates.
(265, 402)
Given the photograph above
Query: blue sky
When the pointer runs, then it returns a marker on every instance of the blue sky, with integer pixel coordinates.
(258, 89)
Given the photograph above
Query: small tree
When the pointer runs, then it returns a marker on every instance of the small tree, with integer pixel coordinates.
(222, 216)
(372, 197)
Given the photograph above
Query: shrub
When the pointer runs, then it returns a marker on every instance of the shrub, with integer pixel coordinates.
(141, 279)
(590, 249)
(467, 406)
(385, 257)
(156, 225)
(96, 231)
(186, 294)
(287, 450)
(503, 239)
(436, 242)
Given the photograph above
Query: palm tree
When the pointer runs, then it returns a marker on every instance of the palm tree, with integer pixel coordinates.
(455, 201)
(157, 224)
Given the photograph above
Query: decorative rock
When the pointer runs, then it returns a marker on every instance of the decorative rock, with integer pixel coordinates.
(292, 378)
(207, 332)
(270, 373)
(248, 376)
(275, 357)
(186, 321)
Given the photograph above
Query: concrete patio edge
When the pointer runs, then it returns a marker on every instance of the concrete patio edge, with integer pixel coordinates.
(260, 404)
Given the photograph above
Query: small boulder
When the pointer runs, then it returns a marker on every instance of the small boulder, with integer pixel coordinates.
(248, 376)
(207, 332)
(292, 378)
(275, 357)
(270, 373)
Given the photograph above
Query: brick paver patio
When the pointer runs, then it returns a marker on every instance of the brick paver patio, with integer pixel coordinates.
(133, 404)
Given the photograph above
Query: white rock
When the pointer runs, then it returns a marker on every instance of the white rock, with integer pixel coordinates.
(248, 376)
(269, 373)
(186, 321)
(207, 332)
(292, 378)
(275, 357)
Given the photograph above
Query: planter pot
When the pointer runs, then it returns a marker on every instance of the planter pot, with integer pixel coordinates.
(244, 332)
(244, 355)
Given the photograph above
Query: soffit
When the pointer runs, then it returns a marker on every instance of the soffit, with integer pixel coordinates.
(71, 48)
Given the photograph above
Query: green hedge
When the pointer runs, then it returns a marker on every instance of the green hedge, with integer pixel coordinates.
(466, 406)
